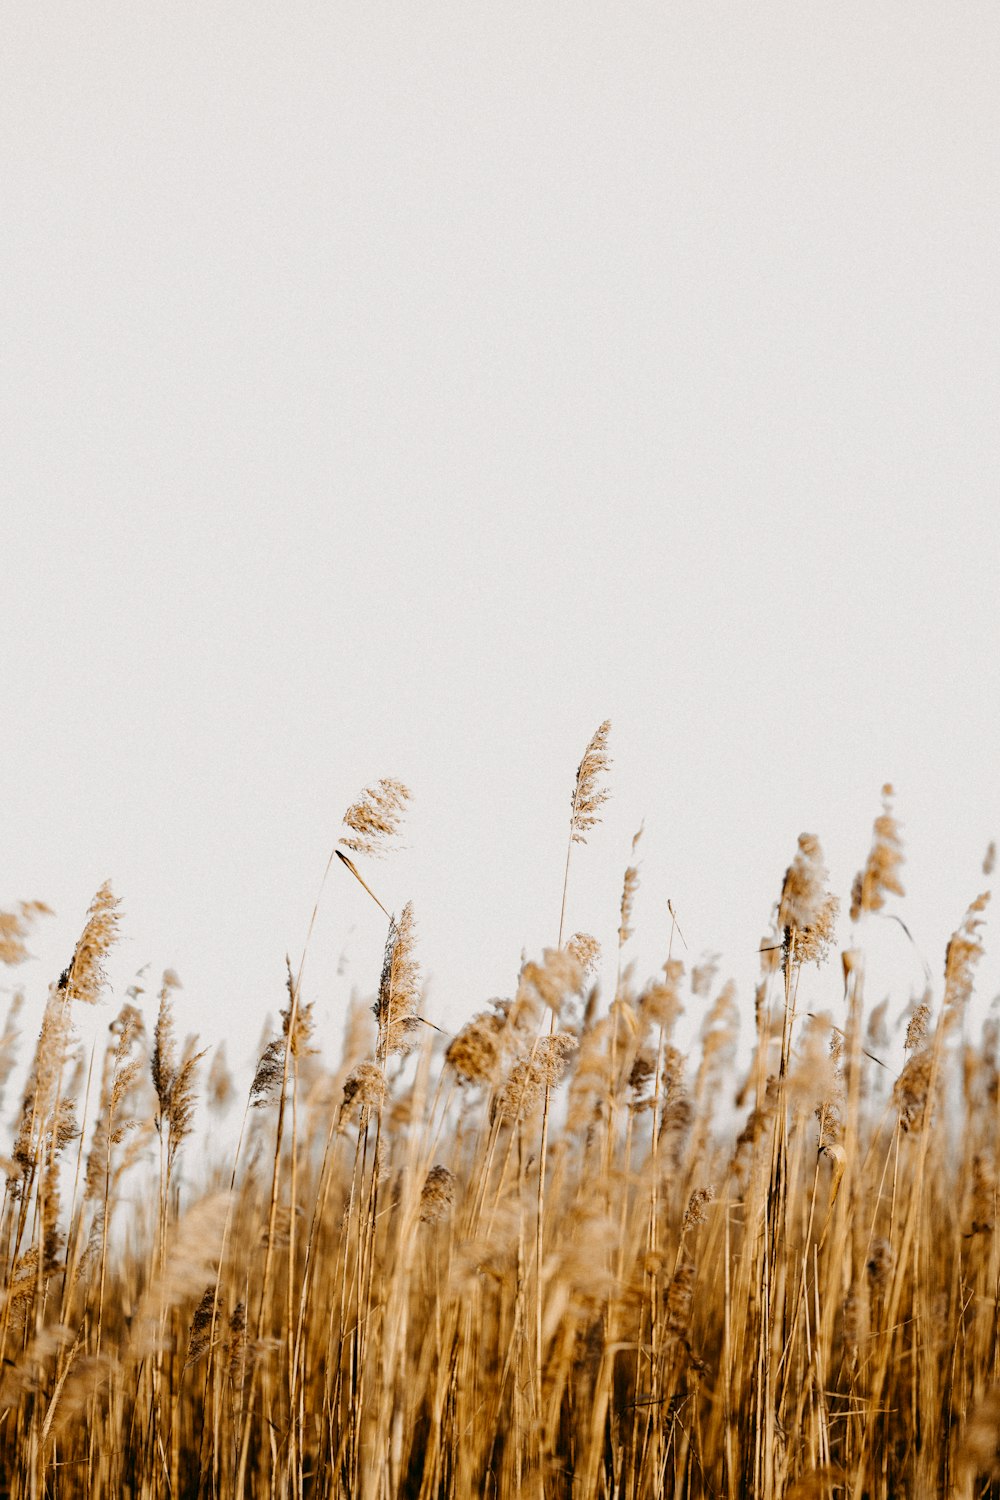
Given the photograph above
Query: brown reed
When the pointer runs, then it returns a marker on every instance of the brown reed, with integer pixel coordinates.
(557, 1254)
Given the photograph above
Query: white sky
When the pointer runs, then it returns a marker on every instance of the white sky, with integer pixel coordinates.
(401, 389)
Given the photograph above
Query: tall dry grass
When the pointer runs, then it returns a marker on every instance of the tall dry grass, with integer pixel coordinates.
(535, 1258)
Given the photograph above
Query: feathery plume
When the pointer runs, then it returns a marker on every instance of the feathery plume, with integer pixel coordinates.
(399, 988)
(585, 803)
(963, 953)
(880, 876)
(806, 912)
(84, 978)
(42, 1088)
(52, 1237)
(703, 976)
(300, 1036)
(642, 1074)
(182, 1095)
(680, 1294)
(918, 1027)
(659, 1004)
(586, 950)
(437, 1195)
(696, 1212)
(269, 1075)
(220, 1081)
(476, 1051)
(532, 1075)
(8, 1041)
(200, 1332)
(814, 1079)
(14, 928)
(270, 1071)
(121, 1073)
(911, 1092)
(629, 887)
(364, 1088)
(163, 1063)
(21, 1288)
(373, 821)
(236, 1345)
(588, 793)
(557, 977)
(173, 1080)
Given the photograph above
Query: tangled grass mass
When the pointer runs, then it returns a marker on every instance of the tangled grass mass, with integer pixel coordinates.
(549, 1256)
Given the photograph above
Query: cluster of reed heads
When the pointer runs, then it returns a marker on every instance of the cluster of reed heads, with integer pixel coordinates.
(552, 1255)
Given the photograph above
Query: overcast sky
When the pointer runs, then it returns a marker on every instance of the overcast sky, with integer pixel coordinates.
(402, 389)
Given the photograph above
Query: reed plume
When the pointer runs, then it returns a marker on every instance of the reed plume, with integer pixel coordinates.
(395, 1009)
(880, 876)
(586, 801)
(84, 977)
(374, 820)
(15, 926)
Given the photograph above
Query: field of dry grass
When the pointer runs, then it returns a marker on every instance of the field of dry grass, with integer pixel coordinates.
(535, 1258)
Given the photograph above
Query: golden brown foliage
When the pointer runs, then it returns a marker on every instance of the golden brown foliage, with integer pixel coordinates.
(591, 1274)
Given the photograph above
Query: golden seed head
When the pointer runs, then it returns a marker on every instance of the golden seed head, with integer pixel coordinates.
(437, 1195)
(588, 794)
(880, 876)
(373, 821)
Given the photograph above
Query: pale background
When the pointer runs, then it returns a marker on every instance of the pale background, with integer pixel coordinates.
(401, 389)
